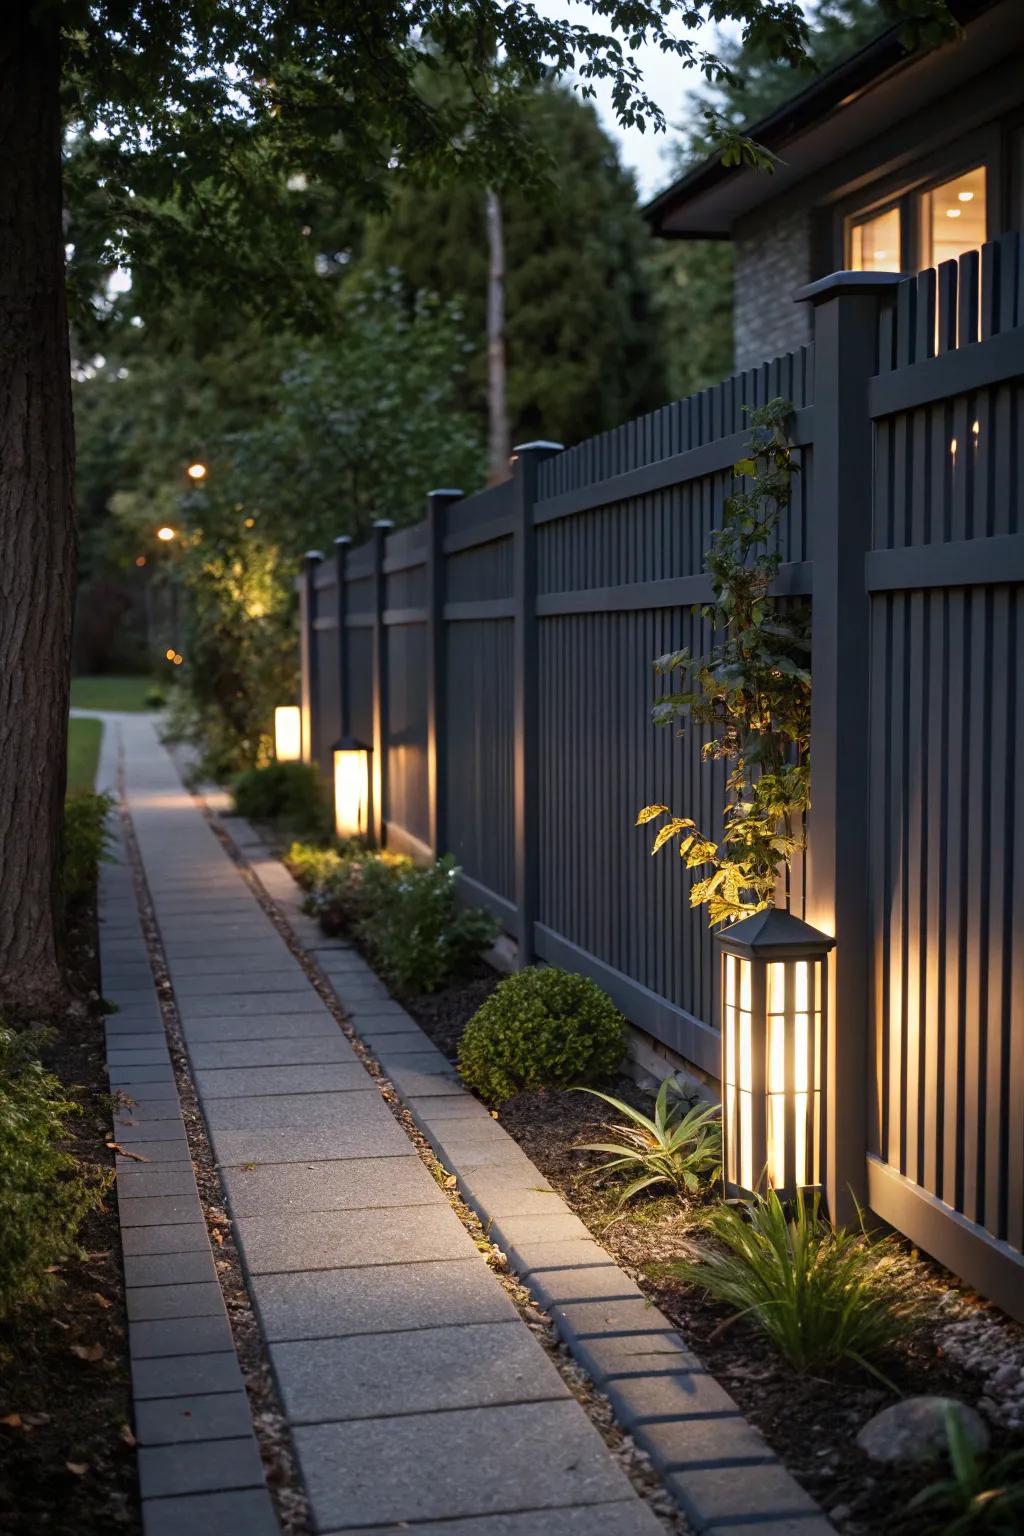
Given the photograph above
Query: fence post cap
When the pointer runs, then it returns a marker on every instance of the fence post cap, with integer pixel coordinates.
(343, 539)
(312, 556)
(541, 445)
(447, 490)
(385, 524)
(847, 285)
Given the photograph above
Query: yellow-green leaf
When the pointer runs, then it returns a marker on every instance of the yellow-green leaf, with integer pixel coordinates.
(648, 813)
(671, 829)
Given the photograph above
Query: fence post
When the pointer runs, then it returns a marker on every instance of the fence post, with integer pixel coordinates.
(310, 658)
(341, 549)
(379, 774)
(438, 503)
(525, 461)
(847, 307)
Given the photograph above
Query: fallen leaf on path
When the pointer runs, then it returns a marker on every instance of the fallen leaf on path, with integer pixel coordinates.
(127, 1436)
(90, 1352)
(79, 1468)
(217, 1236)
(136, 1157)
(100, 1300)
(13, 1421)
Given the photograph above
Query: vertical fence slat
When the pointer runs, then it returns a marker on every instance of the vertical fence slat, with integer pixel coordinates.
(379, 810)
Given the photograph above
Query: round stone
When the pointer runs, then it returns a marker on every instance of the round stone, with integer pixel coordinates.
(914, 1430)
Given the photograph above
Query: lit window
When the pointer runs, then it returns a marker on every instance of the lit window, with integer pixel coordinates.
(953, 218)
(875, 244)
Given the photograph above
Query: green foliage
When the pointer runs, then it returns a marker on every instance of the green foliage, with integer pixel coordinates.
(980, 1495)
(825, 1297)
(86, 839)
(311, 865)
(584, 343)
(417, 932)
(44, 1193)
(346, 892)
(287, 793)
(695, 291)
(542, 1028)
(753, 690)
(680, 1146)
(84, 739)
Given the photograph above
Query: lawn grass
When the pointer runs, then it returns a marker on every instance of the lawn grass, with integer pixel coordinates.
(119, 693)
(83, 753)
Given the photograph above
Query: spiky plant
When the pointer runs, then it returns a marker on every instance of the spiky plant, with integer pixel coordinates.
(826, 1297)
(680, 1146)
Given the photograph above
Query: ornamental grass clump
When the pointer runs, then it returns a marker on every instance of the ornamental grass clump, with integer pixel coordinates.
(681, 1146)
(44, 1192)
(825, 1297)
(542, 1028)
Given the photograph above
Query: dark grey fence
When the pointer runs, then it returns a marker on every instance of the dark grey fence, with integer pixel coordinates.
(497, 659)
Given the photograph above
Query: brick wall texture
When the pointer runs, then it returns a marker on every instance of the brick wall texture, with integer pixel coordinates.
(772, 262)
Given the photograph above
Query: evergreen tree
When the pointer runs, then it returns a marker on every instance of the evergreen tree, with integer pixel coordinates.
(582, 332)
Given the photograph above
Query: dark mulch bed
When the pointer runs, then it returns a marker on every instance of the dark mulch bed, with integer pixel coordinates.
(810, 1423)
(66, 1460)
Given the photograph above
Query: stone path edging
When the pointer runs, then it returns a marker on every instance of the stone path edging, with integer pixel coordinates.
(722, 1472)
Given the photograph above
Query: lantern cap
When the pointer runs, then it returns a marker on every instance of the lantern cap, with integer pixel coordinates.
(349, 744)
(774, 935)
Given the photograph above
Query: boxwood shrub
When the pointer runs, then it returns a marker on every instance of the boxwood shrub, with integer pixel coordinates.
(288, 793)
(542, 1028)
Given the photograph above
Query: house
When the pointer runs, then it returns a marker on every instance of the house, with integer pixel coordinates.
(891, 161)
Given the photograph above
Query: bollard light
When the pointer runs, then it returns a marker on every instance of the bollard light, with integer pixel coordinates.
(774, 992)
(288, 733)
(351, 788)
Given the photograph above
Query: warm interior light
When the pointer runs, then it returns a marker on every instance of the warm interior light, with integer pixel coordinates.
(165, 534)
(875, 243)
(288, 733)
(351, 789)
(196, 471)
(953, 213)
(966, 197)
(140, 560)
(170, 655)
(178, 659)
(953, 217)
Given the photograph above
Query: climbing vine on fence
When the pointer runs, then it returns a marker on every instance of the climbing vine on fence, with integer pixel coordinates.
(753, 688)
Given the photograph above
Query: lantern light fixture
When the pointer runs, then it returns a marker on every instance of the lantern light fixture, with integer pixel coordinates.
(351, 788)
(774, 996)
(288, 733)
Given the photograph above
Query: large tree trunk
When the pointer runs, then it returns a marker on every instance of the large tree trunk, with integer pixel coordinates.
(37, 525)
(499, 446)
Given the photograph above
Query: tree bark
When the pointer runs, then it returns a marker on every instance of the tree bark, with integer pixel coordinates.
(499, 447)
(37, 523)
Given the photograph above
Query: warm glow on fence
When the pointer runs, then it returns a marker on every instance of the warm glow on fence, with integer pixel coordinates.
(351, 789)
(288, 733)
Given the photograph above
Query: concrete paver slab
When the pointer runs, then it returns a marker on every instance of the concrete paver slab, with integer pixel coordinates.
(352, 1184)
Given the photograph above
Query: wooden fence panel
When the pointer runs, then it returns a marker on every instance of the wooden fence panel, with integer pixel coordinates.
(947, 724)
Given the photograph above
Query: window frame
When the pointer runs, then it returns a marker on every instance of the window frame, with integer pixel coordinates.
(905, 189)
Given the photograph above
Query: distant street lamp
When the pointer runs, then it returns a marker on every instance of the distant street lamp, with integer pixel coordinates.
(197, 471)
(166, 534)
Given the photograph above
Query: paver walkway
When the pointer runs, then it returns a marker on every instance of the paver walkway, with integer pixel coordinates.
(416, 1394)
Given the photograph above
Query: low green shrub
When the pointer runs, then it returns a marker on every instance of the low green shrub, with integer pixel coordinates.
(288, 793)
(980, 1494)
(354, 889)
(86, 839)
(681, 1146)
(311, 865)
(44, 1193)
(416, 930)
(541, 1029)
(825, 1297)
